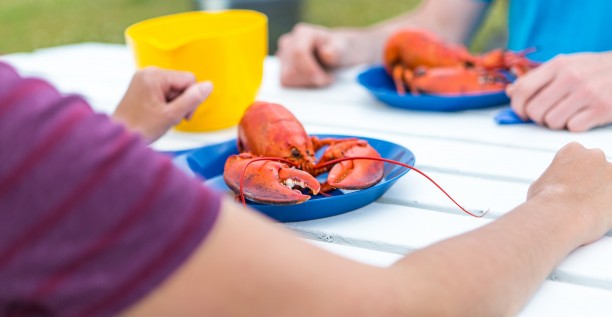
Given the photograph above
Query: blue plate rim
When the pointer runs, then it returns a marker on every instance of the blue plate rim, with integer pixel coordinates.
(275, 211)
(426, 102)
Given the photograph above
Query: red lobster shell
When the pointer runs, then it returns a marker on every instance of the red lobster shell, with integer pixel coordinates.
(412, 58)
(277, 160)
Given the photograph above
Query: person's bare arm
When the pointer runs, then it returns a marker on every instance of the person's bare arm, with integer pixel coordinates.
(308, 51)
(251, 266)
(454, 20)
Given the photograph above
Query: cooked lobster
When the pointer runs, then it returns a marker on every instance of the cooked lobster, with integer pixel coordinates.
(277, 159)
(277, 164)
(411, 57)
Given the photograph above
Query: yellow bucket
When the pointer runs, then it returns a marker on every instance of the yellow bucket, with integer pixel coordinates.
(227, 48)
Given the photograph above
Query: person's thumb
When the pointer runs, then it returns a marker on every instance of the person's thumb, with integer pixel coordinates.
(331, 52)
(184, 105)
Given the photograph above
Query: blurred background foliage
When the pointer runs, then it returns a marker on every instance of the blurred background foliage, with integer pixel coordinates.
(26, 25)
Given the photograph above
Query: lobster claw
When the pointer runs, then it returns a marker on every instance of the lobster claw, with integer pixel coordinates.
(353, 174)
(268, 181)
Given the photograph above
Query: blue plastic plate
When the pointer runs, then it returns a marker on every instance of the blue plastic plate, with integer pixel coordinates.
(379, 83)
(208, 162)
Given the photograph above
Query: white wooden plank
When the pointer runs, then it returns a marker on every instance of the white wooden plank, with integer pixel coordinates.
(552, 299)
(388, 228)
(461, 157)
(400, 230)
(367, 256)
(567, 300)
(589, 265)
(474, 194)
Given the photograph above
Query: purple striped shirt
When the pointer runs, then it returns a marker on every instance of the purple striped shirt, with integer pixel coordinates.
(91, 219)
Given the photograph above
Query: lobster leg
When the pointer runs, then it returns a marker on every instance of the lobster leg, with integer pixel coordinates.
(398, 79)
(351, 174)
(267, 181)
(403, 77)
(408, 78)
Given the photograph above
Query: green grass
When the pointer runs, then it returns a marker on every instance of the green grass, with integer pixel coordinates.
(353, 12)
(30, 24)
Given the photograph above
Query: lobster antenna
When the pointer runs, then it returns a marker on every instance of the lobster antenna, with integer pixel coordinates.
(480, 215)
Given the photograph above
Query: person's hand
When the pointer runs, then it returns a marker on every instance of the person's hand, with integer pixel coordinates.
(309, 52)
(158, 99)
(580, 180)
(570, 92)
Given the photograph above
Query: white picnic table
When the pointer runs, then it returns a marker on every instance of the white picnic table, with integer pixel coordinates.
(485, 166)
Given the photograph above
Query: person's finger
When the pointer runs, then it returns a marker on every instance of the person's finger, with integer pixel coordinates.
(299, 65)
(170, 95)
(558, 116)
(525, 87)
(328, 55)
(307, 66)
(290, 77)
(330, 52)
(545, 100)
(185, 104)
(585, 119)
(303, 70)
(178, 80)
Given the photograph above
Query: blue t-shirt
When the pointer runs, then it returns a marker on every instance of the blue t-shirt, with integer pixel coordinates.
(554, 27)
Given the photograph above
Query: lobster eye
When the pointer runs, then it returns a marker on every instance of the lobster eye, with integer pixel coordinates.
(295, 152)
